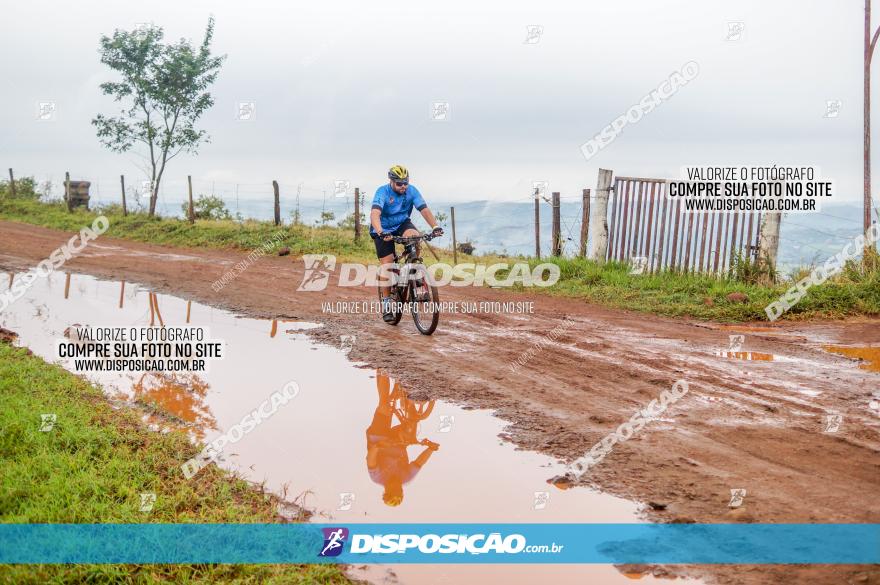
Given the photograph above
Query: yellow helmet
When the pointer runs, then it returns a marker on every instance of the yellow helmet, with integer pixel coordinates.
(392, 499)
(398, 173)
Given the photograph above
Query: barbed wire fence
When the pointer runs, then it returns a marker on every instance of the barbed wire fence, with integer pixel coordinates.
(505, 227)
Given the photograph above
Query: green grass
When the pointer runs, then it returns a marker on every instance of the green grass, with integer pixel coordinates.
(93, 466)
(687, 295)
(247, 235)
(853, 292)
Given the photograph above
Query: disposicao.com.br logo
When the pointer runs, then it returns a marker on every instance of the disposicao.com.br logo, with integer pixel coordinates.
(474, 544)
(319, 268)
(334, 541)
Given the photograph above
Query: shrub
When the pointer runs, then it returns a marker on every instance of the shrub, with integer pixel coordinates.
(25, 188)
(348, 222)
(207, 207)
(466, 248)
(744, 269)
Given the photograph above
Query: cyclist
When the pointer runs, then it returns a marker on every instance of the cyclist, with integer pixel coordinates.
(388, 461)
(389, 217)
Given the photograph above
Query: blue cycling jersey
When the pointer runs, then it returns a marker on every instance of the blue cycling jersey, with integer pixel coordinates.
(395, 208)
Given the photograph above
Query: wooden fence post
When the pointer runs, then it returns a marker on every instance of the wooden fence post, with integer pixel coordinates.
(599, 217)
(11, 184)
(454, 241)
(585, 221)
(277, 203)
(357, 214)
(67, 190)
(537, 224)
(366, 215)
(122, 182)
(768, 238)
(192, 214)
(557, 228)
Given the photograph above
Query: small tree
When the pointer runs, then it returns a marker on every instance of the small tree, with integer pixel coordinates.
(45, 190)
(163, 91)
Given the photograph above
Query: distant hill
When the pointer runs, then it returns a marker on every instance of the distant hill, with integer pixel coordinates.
(508, 227)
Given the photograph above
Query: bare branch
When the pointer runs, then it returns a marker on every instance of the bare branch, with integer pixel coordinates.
(873, 44)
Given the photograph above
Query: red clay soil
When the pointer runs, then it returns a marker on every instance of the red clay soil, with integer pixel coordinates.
(754, 418)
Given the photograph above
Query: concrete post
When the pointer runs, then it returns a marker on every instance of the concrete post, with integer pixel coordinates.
(768, 244)
(599, 217)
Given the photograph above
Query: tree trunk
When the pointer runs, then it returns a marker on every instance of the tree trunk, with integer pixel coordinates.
(154, 196)
(154, 193)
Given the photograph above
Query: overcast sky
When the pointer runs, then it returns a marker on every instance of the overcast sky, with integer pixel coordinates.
(344, 89)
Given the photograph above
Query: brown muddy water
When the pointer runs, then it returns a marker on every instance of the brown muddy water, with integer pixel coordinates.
(867, 354)
(342, 446)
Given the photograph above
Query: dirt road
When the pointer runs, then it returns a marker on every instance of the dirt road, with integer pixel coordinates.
(764, 419)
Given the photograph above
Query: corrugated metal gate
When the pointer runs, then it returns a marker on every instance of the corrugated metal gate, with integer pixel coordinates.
(644, 223)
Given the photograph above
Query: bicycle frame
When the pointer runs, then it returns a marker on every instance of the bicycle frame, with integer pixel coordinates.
(409, 257)
(411, 283)
(409, 254)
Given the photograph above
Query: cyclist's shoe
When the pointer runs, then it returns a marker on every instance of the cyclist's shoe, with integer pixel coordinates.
(387, 310)
(430, 444)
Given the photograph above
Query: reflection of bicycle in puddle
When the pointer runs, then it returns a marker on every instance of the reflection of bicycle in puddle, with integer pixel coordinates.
(387, 458)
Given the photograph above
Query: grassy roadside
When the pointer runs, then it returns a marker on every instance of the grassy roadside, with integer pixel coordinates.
(247, 235)
(853, 292)
(92, 467)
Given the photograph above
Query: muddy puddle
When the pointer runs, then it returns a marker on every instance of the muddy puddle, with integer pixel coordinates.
(351, 446)
(869, 356)
(752, 356)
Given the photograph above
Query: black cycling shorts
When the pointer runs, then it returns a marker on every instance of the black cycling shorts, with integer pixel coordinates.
(384, 248)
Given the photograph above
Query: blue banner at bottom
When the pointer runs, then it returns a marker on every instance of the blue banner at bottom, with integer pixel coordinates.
(442, 543)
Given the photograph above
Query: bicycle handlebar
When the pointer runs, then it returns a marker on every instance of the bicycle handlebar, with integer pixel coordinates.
(412, 239)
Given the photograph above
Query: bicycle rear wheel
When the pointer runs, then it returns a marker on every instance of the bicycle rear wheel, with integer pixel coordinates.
(425, 302)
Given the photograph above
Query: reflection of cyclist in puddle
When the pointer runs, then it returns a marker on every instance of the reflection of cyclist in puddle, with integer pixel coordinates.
(387, 459)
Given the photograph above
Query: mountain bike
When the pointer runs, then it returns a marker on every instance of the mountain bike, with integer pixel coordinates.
(410, 413)
(410, 286)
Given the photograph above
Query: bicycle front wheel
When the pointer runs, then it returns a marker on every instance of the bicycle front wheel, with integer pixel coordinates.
(425, 302)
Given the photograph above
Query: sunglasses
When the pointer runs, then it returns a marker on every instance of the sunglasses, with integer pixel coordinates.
(401, 183)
